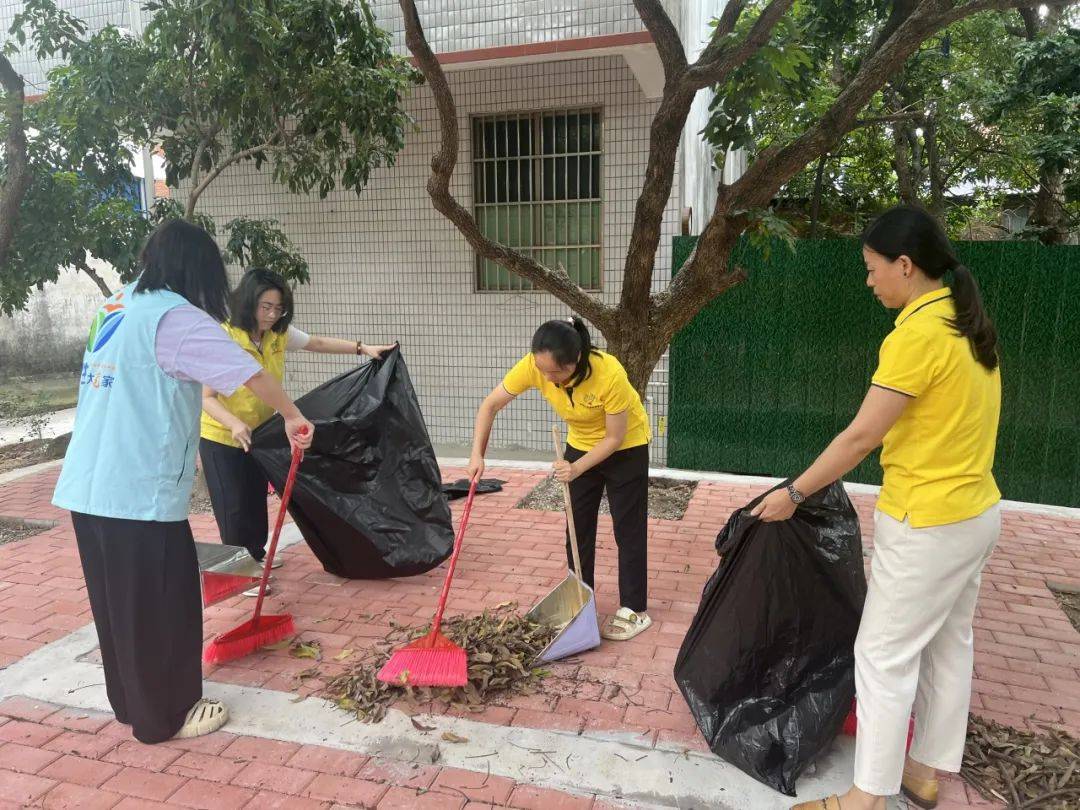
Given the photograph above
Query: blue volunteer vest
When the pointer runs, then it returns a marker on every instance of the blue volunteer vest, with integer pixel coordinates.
(132, 451)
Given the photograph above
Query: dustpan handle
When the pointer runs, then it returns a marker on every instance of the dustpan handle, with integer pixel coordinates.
(567, 504)
(286, 494)
(437, 623)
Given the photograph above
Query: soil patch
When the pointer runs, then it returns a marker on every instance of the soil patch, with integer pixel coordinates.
(668, 498)
(32, 451)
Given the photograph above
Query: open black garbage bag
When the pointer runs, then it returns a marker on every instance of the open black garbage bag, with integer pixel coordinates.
(460, 488)
(368, 496)
(768, 666)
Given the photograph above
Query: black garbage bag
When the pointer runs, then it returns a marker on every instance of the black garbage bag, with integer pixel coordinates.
(368, 496)
(460, 488)
(768, 666)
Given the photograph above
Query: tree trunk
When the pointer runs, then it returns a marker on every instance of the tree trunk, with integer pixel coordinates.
(98, 280)
(815, 199)
(639, 351)
(933, 160)
(17, 181)
(905, 183)
(1048, 213)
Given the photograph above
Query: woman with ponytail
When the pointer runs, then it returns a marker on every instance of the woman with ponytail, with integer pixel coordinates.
(933, 406)
(607, 448)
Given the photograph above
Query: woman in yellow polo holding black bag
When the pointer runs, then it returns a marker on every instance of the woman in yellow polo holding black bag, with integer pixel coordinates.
(933, 406)
(261, 316)
(607, 448)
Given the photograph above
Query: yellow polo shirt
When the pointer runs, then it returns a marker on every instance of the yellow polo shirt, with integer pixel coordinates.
(585, 407)
(938, 457)
(244, 404)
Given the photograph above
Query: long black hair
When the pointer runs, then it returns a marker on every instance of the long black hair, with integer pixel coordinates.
(568, 341)
(908, 230)
(183, 258)
(245, 299)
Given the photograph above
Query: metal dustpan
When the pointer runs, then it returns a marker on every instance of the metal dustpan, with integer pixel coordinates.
(571, 606)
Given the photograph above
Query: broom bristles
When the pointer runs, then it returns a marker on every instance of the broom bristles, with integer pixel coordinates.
(249, 637)
(433, 660)
(217, 586)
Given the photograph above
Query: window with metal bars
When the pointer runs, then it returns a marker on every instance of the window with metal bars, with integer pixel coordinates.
(536, 184)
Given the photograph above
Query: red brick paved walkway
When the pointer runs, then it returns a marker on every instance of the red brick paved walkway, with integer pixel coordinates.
(1027, 663)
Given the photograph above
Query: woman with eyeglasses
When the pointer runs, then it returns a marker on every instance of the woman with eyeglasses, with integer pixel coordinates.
(261, 323)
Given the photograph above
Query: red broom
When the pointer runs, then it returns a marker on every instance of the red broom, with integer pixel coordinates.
(217, 586)
(259, 630)
(433, 660)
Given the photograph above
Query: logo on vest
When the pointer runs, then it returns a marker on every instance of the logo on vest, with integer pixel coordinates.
(105, 324)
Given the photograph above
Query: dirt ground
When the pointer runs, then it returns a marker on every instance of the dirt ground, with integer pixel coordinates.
(668, 498)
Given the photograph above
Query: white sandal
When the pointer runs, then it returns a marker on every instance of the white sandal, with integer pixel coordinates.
(205, 717)
(625, 624)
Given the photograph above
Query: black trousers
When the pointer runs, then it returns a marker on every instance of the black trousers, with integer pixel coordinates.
(142, 578)
(625, 475)
(238, 495)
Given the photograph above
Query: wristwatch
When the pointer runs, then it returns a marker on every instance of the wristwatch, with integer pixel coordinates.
(796, 496)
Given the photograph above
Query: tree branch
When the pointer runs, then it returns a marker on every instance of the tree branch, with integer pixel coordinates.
(664, 135)
(193, 197)
(774, 167)
(962, 10)
(557, 282)
(98, 280)
(17, 181)
(665, 35)
(888, 119)
(720, 58)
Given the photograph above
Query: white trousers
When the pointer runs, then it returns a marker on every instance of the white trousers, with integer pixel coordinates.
(915, 645)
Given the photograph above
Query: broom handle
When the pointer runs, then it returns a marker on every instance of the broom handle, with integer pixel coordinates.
(437, 623)
(567, 504)
(297, 457)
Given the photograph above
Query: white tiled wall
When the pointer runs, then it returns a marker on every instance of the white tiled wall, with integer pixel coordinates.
(386, 266)
(459, 25)
(95, 13)
(450, 25)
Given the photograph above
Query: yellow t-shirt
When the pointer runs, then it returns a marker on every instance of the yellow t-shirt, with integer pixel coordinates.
(938, 457)
(585, 407)
(270, 354)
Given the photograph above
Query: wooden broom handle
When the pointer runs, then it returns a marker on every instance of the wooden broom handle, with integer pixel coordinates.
(567, 503)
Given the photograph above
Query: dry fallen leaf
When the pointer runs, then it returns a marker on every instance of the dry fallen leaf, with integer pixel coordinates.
(306, 649)
(501, 646)
(451, 737)
(341, 656)
(420, 726)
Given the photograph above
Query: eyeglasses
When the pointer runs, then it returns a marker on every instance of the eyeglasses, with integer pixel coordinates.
(271, 309)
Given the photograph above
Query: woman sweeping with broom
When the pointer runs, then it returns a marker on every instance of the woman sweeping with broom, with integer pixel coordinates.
(261, 324)
(128, 472)
(608, 448)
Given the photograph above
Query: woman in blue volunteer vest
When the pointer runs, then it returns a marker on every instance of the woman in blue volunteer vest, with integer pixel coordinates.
(128, 472)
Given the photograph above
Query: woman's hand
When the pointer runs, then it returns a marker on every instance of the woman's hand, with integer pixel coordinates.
(375, 352)
(476, 468)
(300, 431)
(776, 506)
(565, 471)
(241, 433)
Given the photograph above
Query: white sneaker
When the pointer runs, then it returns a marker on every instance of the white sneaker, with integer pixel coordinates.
(255, 591)
(625, 624)
(245, 556)
(205, 717)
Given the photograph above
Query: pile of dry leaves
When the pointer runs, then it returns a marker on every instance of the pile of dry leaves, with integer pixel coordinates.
(1021, 769)
(501, 646)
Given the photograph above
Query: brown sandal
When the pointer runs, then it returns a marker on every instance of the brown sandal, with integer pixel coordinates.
(828, 803)
(921, 792)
